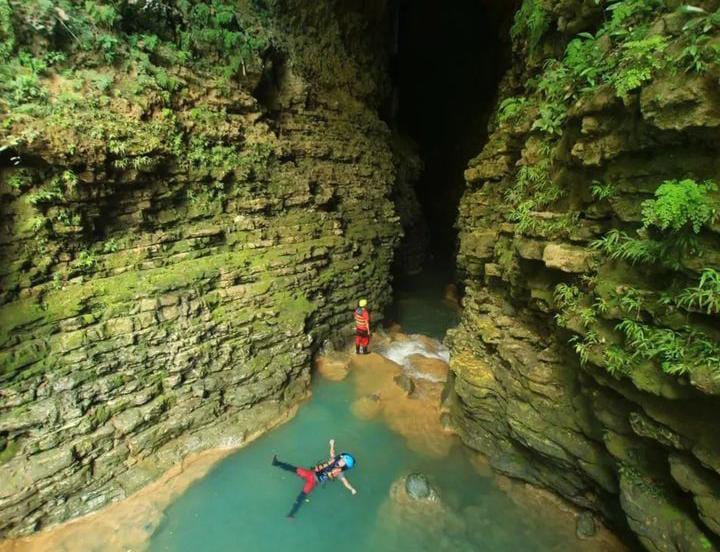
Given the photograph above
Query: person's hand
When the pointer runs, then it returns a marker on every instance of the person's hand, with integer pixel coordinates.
(353, 491)
(332, 442)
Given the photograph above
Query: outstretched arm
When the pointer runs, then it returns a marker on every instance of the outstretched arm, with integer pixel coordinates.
(332, 449)
(348, 486)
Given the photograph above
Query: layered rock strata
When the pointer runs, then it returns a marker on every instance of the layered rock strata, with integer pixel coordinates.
(586, 360)
(172, 255)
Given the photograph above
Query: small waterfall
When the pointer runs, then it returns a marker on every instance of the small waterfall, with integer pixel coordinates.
(401, 353)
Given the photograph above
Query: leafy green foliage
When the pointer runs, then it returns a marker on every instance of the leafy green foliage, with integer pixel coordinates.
(705, 297)
(566, 296)
(626, 53)
(214, 28)
(111, 246)
(582, 348)
(623, 54)
(624, 12)
(511, 109)
(215, 36)
(678, 352)
(602, 191)
(7, 31)
(85, 261)
(586, 62)
(669, 251)
(617, 360)
(531, 21)
(19, 180)
(102, 15)
(631, 302)
(67, 217)
(555, 89)
(640, 59)
(679, 211)
(700, 51)
(679, 204)
(50, 193)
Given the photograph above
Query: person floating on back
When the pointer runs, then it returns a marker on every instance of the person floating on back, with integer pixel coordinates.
(334, 469)
(362, 328)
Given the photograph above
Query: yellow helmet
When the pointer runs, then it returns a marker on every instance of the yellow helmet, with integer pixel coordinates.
(362, 303)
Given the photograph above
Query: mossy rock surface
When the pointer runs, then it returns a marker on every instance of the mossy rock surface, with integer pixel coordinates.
(578, 367)
(191, 214)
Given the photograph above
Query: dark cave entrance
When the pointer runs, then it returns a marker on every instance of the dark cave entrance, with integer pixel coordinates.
(450, 59)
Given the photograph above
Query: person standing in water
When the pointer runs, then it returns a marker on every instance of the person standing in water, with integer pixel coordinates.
(326, 471)
(362, 328)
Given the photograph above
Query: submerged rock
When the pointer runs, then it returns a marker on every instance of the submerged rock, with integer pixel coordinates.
(334, 366)
(405, 383)
(418, 487)
(585, 526)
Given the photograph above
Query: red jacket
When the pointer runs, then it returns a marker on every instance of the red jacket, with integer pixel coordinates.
(362, 319)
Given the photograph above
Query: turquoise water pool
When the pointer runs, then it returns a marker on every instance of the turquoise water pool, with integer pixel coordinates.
(242, 503)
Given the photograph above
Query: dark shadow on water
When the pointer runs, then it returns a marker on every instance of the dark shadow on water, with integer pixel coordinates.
(425, 303)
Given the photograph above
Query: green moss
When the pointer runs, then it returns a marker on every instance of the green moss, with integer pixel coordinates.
(532, 21)
(9, 452)
(101, 415)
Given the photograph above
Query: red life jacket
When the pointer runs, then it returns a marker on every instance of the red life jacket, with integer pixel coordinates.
(362, 319)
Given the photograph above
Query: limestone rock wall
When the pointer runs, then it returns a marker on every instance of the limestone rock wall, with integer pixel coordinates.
(172, 254)
(584, 364)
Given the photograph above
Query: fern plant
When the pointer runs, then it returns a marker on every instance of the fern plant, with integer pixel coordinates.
(700, 51)
(566, 296)
(679, 204)
(587, 63)
(679, 211)
(582, 348)
(640, 60)
(678, 352)
(624, 12)
(617, 360)
(705, 297)
(532, 21)
(601, 191)
(631, 302)
(511, 109)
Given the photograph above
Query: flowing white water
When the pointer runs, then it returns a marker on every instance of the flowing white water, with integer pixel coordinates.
(402, 353)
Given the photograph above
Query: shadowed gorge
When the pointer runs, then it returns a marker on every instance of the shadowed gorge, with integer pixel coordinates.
(449, 64)
(195, 195)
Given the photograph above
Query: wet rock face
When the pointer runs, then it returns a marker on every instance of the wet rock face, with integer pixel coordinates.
(547, 380)
(163, 286)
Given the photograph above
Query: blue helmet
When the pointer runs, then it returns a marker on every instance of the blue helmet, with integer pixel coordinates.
(349, 459)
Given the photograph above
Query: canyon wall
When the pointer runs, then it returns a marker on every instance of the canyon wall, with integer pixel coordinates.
(586, 361)
(193, 199)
